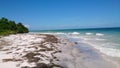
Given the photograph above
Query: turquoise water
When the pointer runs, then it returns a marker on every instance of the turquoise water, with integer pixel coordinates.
(106, 40)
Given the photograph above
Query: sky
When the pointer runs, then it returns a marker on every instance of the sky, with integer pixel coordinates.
(62, 14)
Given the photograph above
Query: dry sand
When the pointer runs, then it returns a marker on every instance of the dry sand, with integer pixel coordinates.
(44, 51)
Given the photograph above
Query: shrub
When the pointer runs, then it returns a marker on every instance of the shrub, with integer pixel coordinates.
(10, 27)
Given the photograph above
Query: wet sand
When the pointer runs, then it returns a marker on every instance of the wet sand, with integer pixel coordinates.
(94, 59)
(48, 51)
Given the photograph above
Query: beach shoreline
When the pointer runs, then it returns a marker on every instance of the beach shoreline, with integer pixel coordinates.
(114, 60)
(35, 50)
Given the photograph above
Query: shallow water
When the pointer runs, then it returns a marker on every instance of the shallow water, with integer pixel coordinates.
(106, 40)
(92, 58)
(94, 43)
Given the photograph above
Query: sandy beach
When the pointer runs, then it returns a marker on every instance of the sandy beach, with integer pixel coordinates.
(48, 51)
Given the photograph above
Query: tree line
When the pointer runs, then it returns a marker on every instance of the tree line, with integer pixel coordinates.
(11, 27)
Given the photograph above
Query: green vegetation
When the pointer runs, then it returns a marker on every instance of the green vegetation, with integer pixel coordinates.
(10, 27)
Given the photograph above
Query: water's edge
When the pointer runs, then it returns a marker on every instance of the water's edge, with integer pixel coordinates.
(94, 56)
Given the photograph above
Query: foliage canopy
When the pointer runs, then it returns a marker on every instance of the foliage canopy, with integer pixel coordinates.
(10, 27)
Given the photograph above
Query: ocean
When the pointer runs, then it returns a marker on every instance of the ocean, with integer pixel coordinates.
(105, 40)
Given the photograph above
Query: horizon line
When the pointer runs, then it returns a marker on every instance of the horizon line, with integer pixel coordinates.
(76, 28)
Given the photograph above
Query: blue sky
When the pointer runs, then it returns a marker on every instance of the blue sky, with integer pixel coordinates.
(62, 14)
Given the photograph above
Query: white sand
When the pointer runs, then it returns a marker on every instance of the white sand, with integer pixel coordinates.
(17, 46)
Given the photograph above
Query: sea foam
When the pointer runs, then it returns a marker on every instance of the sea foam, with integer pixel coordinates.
(76, 33)
(60, 33)
(111, 52)
(99, 34)
(104, 49)
(88, 33)
(100, 44)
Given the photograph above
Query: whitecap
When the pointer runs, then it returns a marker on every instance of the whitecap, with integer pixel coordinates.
(88, 33)
(59, 33)
(99, 34)
(100, 39)
(76, 33)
